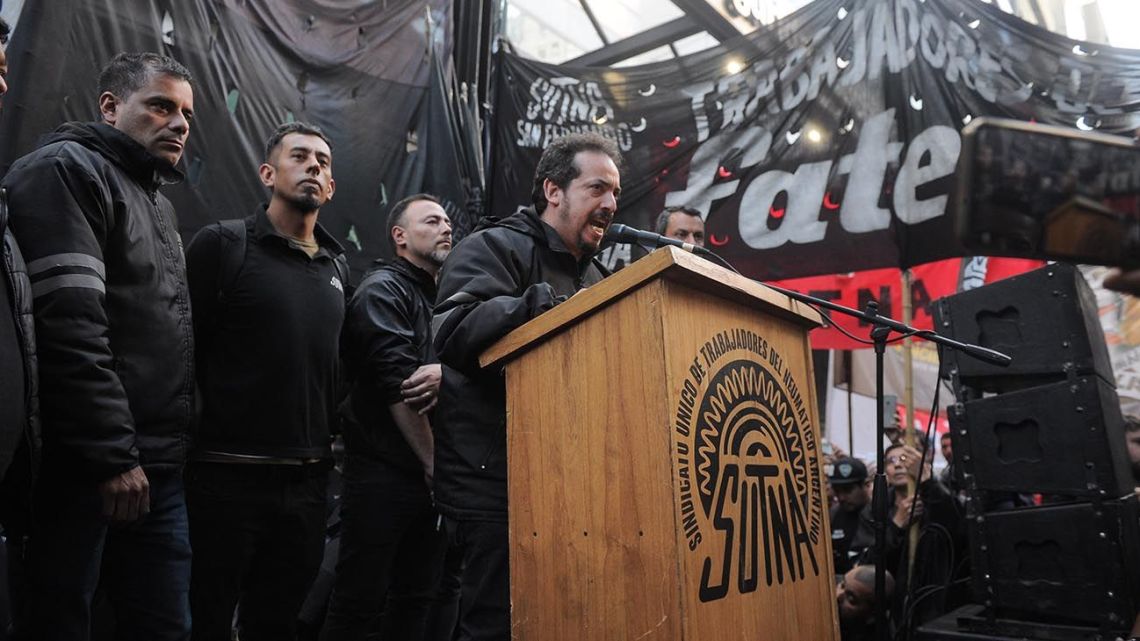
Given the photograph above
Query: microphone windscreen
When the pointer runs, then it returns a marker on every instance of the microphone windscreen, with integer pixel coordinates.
(615, 233)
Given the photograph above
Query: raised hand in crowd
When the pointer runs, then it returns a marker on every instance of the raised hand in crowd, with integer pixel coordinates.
(910, 457)
(903, 505)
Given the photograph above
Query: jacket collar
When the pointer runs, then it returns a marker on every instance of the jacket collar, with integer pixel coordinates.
(526, 220)
(419, 275)
(122, 150)
(264, 229)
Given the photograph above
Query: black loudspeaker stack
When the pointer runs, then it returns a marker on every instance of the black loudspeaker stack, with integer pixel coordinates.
(1048, 425)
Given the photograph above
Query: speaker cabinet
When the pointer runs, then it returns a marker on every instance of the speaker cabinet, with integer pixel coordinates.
(1066, 438)
(976, 623)
(1075, 563)
(1046, 320)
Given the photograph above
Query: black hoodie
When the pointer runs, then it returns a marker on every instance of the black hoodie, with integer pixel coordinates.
(112, 312)
(506, 273)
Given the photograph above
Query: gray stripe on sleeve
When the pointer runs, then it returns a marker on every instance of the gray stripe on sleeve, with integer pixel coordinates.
(83, 281)
(41, 265)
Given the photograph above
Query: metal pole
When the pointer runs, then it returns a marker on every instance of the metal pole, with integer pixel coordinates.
(879, 335)
(849, 371)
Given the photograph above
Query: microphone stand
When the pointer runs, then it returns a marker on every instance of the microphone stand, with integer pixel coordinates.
(881, 328)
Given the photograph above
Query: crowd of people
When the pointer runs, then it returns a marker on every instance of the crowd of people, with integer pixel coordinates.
(936, 580)
(915, 497)
(178, 487)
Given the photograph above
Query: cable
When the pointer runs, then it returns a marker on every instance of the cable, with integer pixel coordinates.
(827, 316)
(911, 597)
(916, 597)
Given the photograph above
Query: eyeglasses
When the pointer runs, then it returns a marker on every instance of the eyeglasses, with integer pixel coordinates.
(896, 459)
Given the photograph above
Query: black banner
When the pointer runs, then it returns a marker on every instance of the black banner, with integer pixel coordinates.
(358, 70)
(823, 143)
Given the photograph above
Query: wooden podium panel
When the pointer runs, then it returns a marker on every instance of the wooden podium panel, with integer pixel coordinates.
(664, 474)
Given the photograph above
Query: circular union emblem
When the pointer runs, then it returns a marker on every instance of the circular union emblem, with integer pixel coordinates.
(751, 496)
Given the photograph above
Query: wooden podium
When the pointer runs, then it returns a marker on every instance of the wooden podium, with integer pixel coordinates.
(663, 463)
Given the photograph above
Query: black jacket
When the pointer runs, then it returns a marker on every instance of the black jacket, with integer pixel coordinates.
(845, 525)
(495, 280)
(20, 412)
(268, 342)
(386, 337)
(112, 312)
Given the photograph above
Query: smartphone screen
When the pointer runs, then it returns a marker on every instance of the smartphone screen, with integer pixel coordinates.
(1047, 192)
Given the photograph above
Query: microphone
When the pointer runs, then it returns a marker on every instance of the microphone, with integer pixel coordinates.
(620, 233)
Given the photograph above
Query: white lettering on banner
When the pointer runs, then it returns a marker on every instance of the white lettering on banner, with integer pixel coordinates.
(974, 273)
(795, 82)
(616, 256)
(857, 63)
(860, 211)
(931, 156)
(698, 93)
(702, 190)
(881, 37)
(883, 43)
(823, 70)
(562, 105)
(560, 100)
(943, 145)
(801, 223)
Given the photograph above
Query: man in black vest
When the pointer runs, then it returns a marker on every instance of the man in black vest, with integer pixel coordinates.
(268, 306)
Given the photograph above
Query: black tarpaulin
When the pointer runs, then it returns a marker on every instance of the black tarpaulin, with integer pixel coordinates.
(357, 69)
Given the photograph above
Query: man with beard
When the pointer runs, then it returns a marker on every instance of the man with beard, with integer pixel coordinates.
(506, 273)
(391, 546)
(114, 347)
(268, 296)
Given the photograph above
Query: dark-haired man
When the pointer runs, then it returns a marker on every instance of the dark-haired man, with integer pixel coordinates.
(683, 223)
(852, 490)
(855, 600)
(391, 547)
(498, 278)
(268, 295)
(115, 346)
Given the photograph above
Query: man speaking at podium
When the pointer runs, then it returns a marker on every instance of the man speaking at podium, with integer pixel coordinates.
(503, 275)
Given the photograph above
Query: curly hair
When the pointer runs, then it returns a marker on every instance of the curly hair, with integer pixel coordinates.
(557, 162)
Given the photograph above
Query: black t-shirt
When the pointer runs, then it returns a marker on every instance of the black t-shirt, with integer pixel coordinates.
(267, 346)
